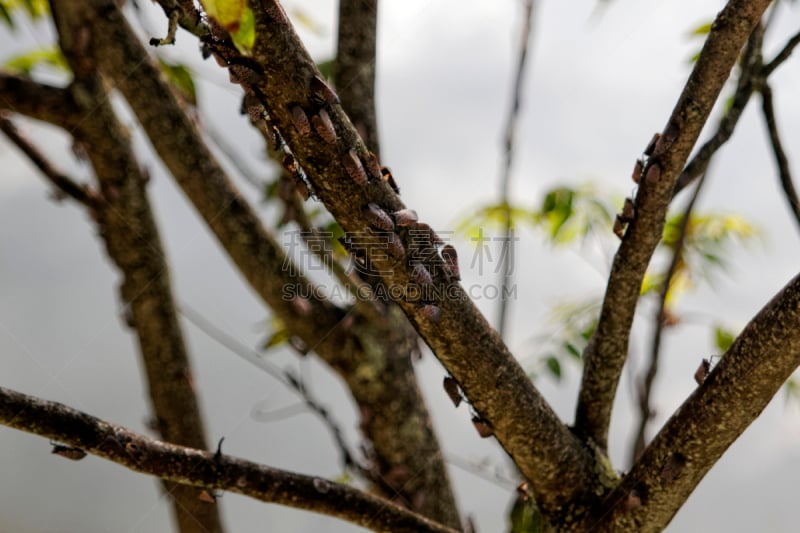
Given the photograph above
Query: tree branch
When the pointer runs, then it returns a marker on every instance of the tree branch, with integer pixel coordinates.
(127, 227)
(781, 160)
(507, 258)
(210, 471)
(782, 56)
(560, 468)
(371, 356)
(38, 100)
(66, 186)
(354, 79)
(607, 350)
(354, 75)
(646, 390)
(749, 78)
(733, 395)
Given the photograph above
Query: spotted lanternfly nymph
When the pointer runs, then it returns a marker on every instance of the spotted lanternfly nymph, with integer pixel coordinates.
(378, 218)
(256, 112)
(451, 388)
(289, 163)
(354, 168)
(651, 146)
(619, 227)
(420, 274)
(431, 312)
(638, 168)
(702, 371)
(485, 429)
(524, 491)
(324, 127)
(653, 174)
(665, 140)
(75, 454)
(321, 93)
(387, 176)
(451, 261)
(207, 497)
(633, 500)
(373, 166)
(432, 237)
(628, 211)
(300, 120)
(405, 217)
(244, 76)
(673, 467)
(396, 248)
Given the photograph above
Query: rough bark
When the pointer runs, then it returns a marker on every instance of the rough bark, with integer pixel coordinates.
(209, 471)
(361, 351)
(354, 75)
(607, 350)
(129, 232)
(732, 396)
(561, 469)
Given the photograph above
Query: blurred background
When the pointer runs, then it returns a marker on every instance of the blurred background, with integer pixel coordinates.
(602, 77)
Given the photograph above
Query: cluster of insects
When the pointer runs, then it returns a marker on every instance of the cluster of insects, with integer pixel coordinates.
(648, 170)
(363, 167)
(423, 242)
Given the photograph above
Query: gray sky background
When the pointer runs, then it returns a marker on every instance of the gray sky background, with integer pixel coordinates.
(601, 81)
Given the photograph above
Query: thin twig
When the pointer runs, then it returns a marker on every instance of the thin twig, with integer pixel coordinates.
(646, 389)
(506, 258)
(784, 172)
(208, 470)
(66, 186)
(783, 55)
(751, 68)
(289, 380)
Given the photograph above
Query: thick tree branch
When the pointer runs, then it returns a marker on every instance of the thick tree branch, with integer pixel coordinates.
(354, 79)
(210, 471)
(781, 160)
(370, 355)
(127, 227)
(733, 395)
(607, 350)
(560, 468)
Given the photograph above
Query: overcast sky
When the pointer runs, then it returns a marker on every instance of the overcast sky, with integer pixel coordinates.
(601, 81)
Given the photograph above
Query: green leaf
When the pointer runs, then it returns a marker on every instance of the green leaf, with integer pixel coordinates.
(573, 350)
(228, 13)
(702, 29)
(27, 61)
(181, 78)
(554, 367)
(525, 517)
(723, 338)
(245, 37)
(492, 216)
